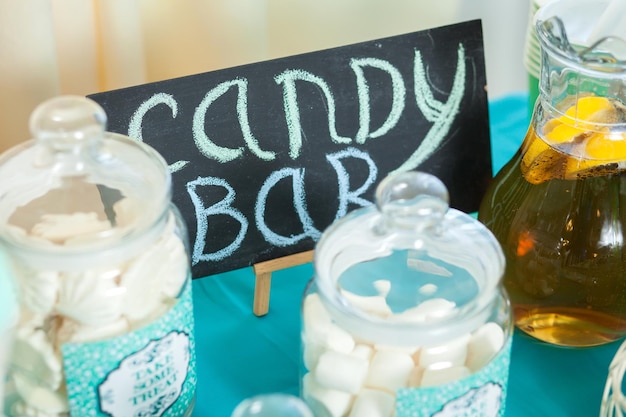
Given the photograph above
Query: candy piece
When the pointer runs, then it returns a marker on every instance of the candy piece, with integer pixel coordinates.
(428, 289)
(175, 266)
(58, 228)
(19, 234)
(33, 354)
(483, 345)
(317, 321)
(435, 376)
(452, 353)
(158, 273)
(143, 280)
(38, 290)
(312, 351)
(431, 309)
(339, 340)
(335, 403)
(91, 297)
(91, 333)
(373, 403)
(126, 212)
(383, 286)
(341, 371)
(363, 351)
(21, 409)
(389, 370)
(376, 305)
(409, 350)
(415, 377)
(40, 397)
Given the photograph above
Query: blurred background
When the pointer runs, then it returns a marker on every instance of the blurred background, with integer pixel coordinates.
(52, 47)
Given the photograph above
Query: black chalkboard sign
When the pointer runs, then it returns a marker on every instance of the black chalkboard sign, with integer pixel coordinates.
(265, 156)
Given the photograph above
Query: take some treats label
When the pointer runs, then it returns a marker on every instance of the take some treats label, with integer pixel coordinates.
(149, 372)
(481, 394)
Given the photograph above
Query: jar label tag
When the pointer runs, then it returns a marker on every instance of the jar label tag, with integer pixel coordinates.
(481, 394)
(150, 371)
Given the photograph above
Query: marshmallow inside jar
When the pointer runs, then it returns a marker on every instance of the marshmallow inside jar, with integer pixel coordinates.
(406, 311)
(100, 255)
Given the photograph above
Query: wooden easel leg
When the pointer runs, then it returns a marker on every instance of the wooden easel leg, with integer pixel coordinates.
(262, 287)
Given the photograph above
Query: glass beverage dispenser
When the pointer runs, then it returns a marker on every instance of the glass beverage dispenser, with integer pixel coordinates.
(556, 206)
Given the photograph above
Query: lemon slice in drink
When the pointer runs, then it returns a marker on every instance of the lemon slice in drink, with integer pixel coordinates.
(588, 145)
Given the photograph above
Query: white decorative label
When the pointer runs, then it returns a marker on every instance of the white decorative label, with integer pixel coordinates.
(148, 382)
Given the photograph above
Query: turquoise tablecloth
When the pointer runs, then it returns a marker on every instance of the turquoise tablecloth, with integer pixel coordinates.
(240, 355)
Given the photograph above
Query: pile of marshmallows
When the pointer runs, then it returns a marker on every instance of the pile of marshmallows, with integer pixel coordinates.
(59, 307)
(355, 378)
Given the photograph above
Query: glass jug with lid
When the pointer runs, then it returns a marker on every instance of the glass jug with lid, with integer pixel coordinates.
(406, 314)
(102, 268)
(558, 207)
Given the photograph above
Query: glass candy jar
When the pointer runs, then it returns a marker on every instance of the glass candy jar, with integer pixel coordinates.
(8, 318)
(406, 315)
(558, 206)
(103, 273)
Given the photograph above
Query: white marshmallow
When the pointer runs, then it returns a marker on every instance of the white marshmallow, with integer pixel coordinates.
(431, 309)
(375, 305)
(428, 289)
(311, 353)
(317, 321)
(453, 353)
(435, 308)
(341, 371)
(410, 350)
(435, 376)
(373, 403)
(363, 351)
(339, 340)
(389, 370)
(383, 286)
(483, 345)
(336, 403)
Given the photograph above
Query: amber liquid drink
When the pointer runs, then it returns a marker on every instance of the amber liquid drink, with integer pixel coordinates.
(558, 208)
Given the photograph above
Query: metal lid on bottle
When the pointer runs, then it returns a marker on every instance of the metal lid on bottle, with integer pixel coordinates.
(409, 270)
(75, 188)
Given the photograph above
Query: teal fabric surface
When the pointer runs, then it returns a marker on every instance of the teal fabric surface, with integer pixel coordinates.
(241, 355)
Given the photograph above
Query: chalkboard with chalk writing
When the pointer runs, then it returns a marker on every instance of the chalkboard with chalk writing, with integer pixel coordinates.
(265, 156)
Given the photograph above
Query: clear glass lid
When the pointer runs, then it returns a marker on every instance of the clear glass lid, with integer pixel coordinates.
(76, 188)
(400, 269)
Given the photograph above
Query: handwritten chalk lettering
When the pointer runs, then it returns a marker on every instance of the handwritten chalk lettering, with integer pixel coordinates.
(221, 154)
(203, 213)
(254, 150)
(441, 115)
(343, 179)
(134, 126)
(309, 230)
(398, 95)
(292, 112)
